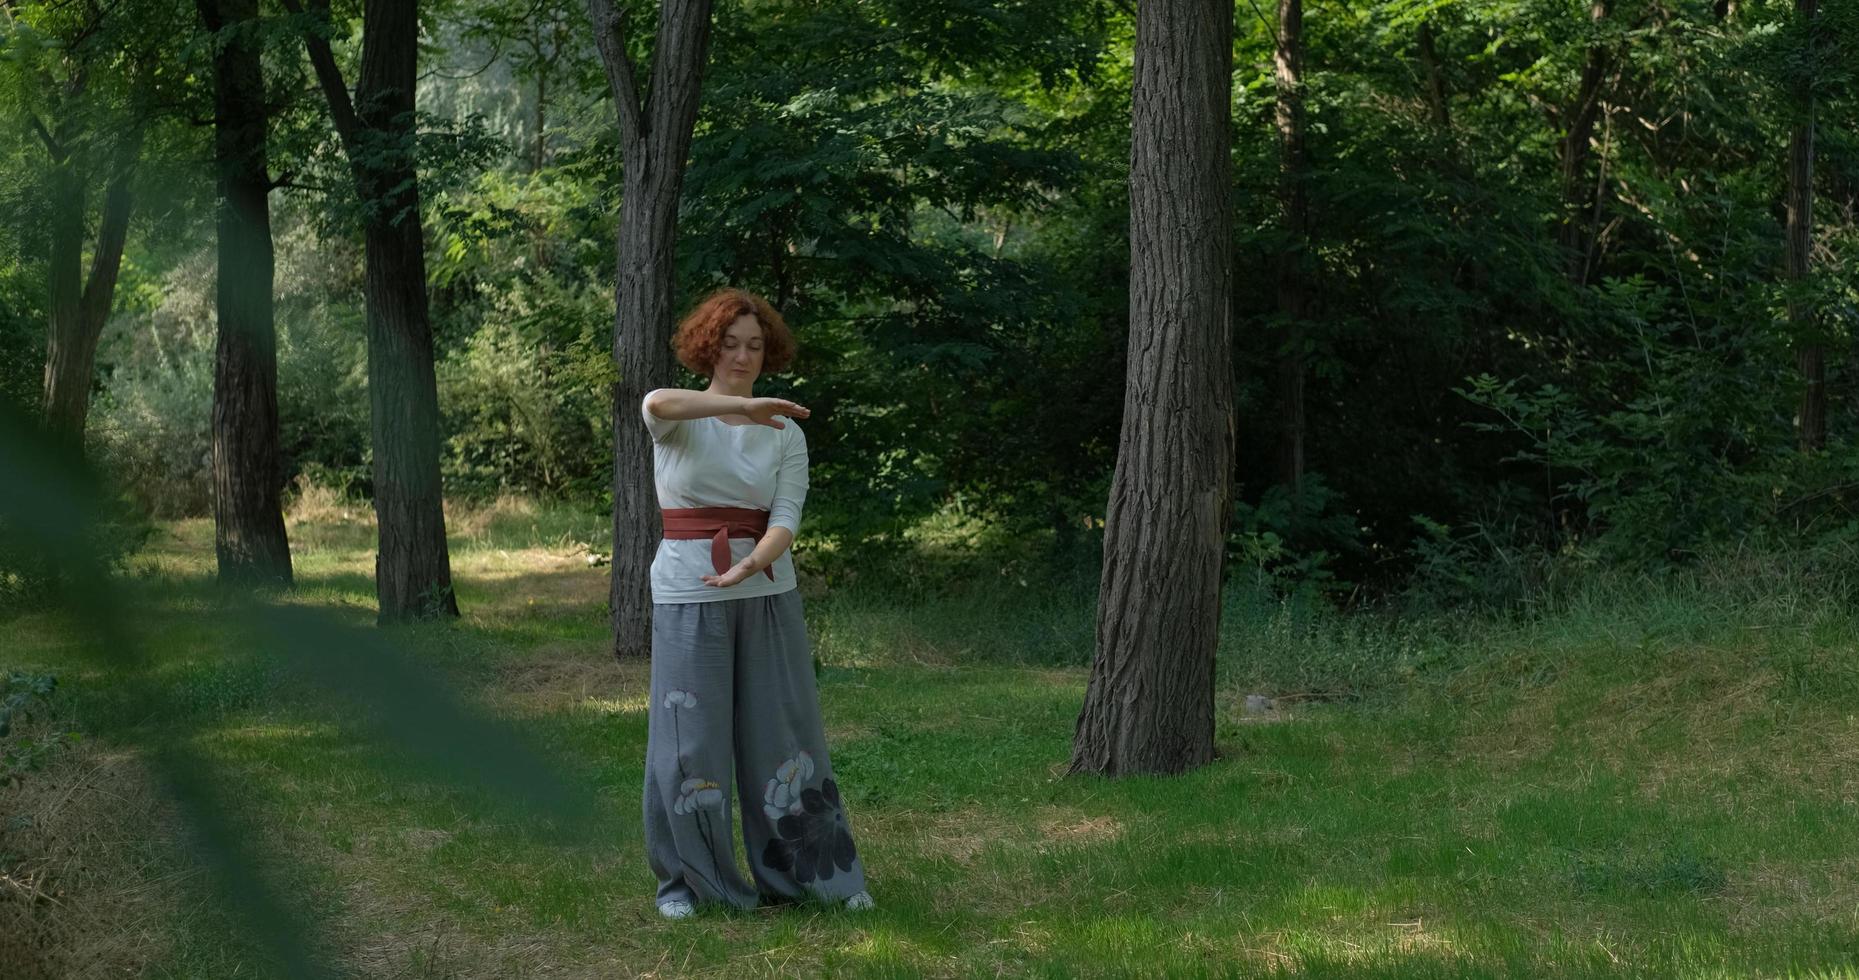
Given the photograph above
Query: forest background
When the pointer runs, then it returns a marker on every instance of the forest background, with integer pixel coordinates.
(1515, 347)
(1542, 538)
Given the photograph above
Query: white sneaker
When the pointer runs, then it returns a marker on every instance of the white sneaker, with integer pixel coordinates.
(676, 909)
(859, 902)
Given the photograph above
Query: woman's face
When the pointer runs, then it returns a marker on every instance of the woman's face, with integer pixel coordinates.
(740, 361)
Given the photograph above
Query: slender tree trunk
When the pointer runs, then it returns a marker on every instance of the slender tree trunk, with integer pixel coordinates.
(542, 96)
(69, 354)
(248, 521)
(1149, 706)
(1810, 354)
(1294, 215)
(78, 314)
(1574, 150)
(1436, 79)
(655, 139)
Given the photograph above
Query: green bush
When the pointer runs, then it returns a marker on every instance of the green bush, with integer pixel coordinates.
(151, 425)
(29, 578)
(22, 695)
(526, 395)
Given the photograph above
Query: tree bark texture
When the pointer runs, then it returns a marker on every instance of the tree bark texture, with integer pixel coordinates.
(413, 568)
(1810, 353)
(1294, 216)
(655, 138)
(1149, 705)
(79, 307)
(248, 519)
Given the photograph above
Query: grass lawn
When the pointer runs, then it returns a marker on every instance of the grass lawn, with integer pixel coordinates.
(1661, 780)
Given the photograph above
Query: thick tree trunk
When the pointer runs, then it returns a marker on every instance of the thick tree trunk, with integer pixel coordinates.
(248, 521)
(1149, 707)
(1294, 215)
(1577, 230)
(655, 137)
(413, 569)
(77, 317)
(1810, 354)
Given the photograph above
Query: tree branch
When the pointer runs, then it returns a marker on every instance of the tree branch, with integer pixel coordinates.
(290, 182)
(107, 260)
(610, 38)
(496, 53)
(677, 72)
(51, 143)
(316, 41)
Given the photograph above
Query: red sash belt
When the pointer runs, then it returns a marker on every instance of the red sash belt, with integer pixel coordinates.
(719, 524)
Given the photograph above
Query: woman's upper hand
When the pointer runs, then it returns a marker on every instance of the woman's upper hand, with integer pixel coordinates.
(762, 411)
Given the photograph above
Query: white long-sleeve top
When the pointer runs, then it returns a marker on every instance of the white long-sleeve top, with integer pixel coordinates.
(708, 462)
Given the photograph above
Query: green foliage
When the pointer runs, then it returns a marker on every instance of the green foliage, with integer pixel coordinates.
(1480, 565)
(872, 199)
(21, 695)
(1284, 548)
(151, 427)
(22, 276)
(935, 194)
(526, 383)
(1648, 459)
(30, 578)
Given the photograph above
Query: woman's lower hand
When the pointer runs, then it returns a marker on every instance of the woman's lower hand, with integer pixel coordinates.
(738, 573)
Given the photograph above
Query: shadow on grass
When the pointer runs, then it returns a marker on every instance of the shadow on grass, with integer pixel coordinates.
(51, 503)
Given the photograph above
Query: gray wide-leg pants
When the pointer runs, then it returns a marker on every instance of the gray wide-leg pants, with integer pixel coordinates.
(733, 695)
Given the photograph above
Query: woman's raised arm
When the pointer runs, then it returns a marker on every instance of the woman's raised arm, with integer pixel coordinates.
(678, 404)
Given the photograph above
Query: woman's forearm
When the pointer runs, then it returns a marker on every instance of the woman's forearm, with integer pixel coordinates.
(773, 543)
(683, 403)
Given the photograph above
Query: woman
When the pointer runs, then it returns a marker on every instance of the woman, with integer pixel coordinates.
(732, 674)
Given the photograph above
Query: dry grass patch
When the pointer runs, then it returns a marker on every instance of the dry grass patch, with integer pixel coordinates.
(1682, 729)
(959, 836)
(313, 503)
(384, 930)
(572, 677)
(1777, 893)
(528, 583)
(1065, 826)
(850, 645)
(474, 520)
(86, 850)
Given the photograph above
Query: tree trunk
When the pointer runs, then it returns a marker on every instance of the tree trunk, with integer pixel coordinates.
(1810, 355)
(655, 139)
(77, 318)
(1149, 706)
(413, 569)
(1294, 215)
(248, 521)
(542, 96)
(1573, 150)
(1436, 79)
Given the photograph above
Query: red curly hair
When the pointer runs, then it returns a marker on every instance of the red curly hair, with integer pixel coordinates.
(699, 341)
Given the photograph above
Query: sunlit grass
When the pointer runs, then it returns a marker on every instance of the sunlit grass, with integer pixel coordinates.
(1650, 782)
